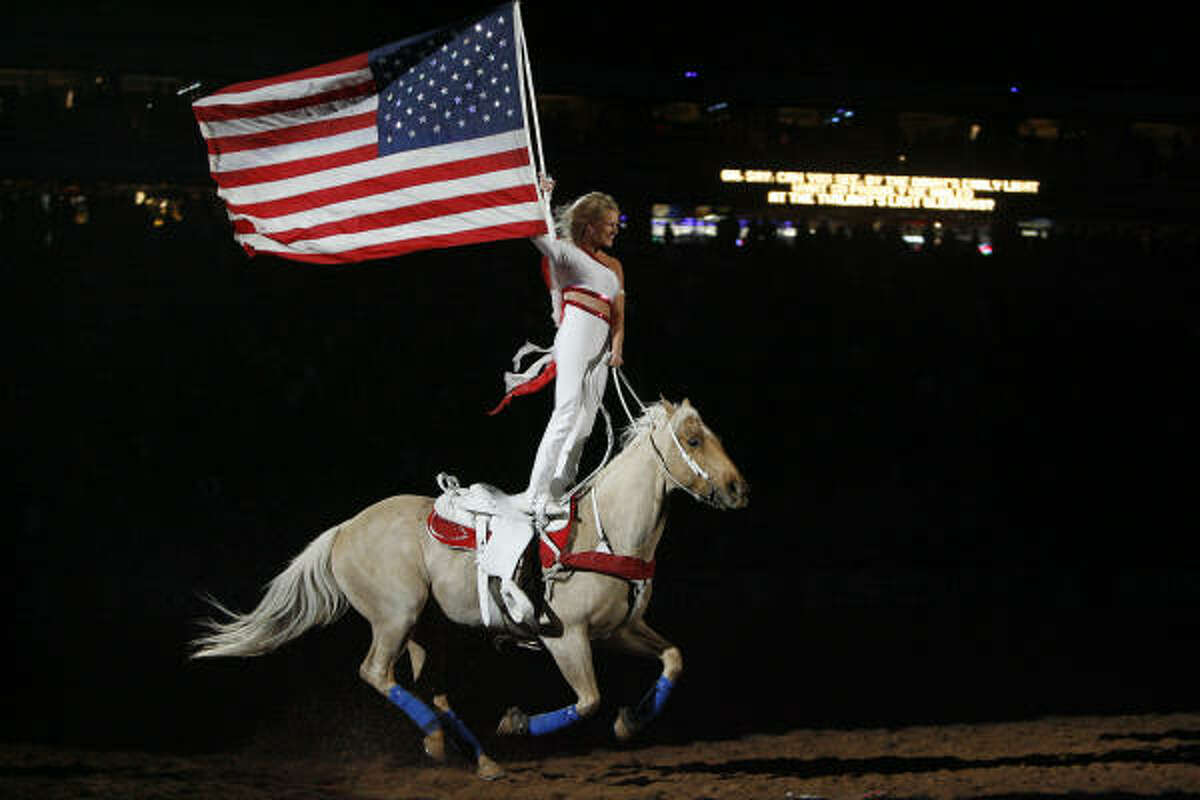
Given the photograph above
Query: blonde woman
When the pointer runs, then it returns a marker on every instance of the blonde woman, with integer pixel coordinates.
(588, 287)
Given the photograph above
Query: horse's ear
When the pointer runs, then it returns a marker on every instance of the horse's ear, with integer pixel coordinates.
(667, 405)
(686, 403)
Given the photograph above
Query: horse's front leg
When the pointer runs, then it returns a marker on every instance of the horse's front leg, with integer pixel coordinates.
(573, 654)
(640, 639)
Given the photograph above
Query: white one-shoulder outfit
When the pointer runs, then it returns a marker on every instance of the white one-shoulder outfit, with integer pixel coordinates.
(584, 290)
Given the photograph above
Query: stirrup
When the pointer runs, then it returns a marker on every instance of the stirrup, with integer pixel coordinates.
(500, 641)
(538, 624)
(516, 603)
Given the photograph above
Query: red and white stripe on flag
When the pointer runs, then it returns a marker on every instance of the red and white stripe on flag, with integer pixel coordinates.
(417, 145)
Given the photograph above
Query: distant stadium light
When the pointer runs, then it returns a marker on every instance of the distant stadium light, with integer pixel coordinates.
(691, 73)
(840, 115)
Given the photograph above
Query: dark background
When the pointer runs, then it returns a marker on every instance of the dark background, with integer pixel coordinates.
(972, 477)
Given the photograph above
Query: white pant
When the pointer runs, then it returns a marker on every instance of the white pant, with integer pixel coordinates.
(580, 350)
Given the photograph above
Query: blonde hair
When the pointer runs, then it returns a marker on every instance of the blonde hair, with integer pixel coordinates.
(571, 220)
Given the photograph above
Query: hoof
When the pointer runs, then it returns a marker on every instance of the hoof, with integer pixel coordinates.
(625, 727)
(435, 745)
(488, 770)
(514, 723)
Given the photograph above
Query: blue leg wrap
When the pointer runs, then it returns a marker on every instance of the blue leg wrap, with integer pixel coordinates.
(652, 704)
(552, 721)
(451, 720)
(418, 712)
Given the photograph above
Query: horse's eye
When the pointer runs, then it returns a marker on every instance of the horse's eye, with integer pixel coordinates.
(694, 441)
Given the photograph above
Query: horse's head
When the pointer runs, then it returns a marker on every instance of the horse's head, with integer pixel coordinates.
(696, 460)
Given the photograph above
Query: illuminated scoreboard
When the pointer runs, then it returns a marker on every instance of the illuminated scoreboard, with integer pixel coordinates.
(865, 190)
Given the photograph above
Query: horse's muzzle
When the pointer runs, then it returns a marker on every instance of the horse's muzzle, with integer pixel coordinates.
(735, 494)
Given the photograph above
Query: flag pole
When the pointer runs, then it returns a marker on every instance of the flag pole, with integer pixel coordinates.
(531, 105)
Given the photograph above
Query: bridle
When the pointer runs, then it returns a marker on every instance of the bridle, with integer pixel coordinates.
(697, 470)
(710, 498)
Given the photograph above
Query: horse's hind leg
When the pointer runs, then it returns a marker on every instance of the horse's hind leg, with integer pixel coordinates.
(429, 673)
(640, 639)
(378, 669)
(485, 767)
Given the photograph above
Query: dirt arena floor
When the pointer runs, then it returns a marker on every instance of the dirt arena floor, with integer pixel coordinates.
(1154, 755)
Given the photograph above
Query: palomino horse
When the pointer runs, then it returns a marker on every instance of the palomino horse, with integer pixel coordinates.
(385, 564)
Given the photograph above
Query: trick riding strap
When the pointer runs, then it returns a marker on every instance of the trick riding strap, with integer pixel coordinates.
(603, 560)
(636, 572)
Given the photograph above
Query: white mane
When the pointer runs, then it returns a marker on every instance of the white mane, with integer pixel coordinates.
(652, 416)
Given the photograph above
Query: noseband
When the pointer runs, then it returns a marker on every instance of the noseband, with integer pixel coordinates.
(709, 499)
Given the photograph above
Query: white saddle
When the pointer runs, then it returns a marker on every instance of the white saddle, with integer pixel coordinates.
(461, 505)
(503, 527)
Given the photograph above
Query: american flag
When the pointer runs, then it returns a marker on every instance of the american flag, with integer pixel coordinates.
(419, 144)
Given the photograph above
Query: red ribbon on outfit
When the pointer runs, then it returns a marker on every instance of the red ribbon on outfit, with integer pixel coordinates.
(538, 383)
(543, 378)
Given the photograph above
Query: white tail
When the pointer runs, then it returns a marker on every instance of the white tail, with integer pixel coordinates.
(304, 595)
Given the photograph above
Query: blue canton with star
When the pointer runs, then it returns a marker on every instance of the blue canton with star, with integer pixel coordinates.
(448, 86)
